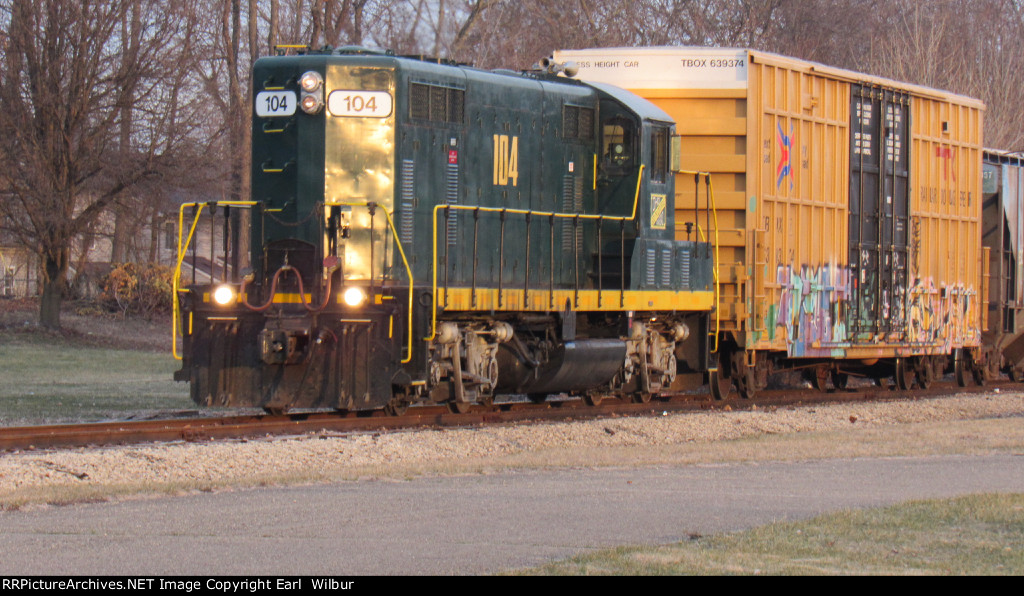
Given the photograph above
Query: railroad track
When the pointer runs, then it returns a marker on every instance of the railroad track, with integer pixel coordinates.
(299, 423)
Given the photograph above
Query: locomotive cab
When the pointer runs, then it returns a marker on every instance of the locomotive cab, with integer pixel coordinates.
(634, 175)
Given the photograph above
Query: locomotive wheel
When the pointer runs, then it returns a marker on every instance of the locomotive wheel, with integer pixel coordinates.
(640, 397)
(819, 378)
(720, 384)
(399, 403)
(459, 407)
(592, 399)
(840, 380)
(396, 407)
(1016, 375)
(904, 375)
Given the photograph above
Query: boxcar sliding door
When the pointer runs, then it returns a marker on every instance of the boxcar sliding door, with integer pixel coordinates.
(879, 209)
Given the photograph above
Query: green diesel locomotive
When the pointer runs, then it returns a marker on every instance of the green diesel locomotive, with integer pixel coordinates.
(429, 232)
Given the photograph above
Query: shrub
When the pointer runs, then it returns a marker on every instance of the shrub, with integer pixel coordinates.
(138, 289)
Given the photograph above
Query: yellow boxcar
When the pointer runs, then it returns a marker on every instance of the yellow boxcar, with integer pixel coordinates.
(846, 210)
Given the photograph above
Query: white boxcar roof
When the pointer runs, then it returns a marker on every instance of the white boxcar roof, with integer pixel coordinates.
(679, 67)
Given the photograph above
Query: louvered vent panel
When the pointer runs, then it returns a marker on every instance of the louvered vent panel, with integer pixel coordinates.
(684, 268)
(408, 198)
(568, 194)
(452, 198)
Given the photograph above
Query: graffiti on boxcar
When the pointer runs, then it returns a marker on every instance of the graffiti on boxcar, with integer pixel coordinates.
(915, 243)
(925, 311)
(816, 302)
(940, 315)
(813, 305)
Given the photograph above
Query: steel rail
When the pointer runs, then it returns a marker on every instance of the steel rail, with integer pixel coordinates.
(133, 432)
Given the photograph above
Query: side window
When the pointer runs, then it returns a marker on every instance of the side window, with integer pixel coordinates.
(170, 238)
(617, 145)
(659, 154)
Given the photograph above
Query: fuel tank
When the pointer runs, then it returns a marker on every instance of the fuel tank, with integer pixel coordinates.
(572, 366)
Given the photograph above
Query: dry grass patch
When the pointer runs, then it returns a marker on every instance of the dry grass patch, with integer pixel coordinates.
(973, 535)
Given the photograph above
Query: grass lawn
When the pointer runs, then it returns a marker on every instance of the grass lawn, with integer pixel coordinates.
(973, 535)
(47, 381)
(96, 367)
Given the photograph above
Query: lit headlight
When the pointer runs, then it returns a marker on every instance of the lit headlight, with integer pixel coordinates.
(354, 296)
(312, 85)
(311, 81)
(224, 295)
(311, 104)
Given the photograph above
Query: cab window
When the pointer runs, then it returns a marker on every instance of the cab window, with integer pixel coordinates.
(659, 154)
(618, 146)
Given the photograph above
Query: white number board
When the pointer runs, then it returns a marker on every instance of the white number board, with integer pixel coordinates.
(372, 104)
(275, 103)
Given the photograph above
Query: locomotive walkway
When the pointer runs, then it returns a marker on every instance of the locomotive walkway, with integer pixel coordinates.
(468, 524)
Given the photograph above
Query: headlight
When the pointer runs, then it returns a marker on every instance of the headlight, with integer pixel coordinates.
(224, 295)
(312, 84)
(311, 104)
(354, 296)
(311, 81)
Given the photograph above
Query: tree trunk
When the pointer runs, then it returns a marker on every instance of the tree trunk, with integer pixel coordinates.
(318, 25)
(154, 234)
(254, 40)
(119, 241)
(272, 29)
(55, 270)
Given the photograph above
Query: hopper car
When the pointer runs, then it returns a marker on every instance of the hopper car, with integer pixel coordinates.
(1002, 235)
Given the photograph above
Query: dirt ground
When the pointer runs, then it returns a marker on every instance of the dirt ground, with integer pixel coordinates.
(84, 324)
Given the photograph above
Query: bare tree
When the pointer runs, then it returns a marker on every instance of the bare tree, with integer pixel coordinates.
(130, 36)
(971, 47)
(337, 22)
(63, 82)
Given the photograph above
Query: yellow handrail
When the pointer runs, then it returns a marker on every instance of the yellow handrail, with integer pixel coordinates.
(405, 262)
(181, 258)
(715, 265)
(632, 216)
(188, 242)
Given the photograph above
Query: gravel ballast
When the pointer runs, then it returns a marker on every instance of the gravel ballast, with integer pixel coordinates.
(614, 441)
